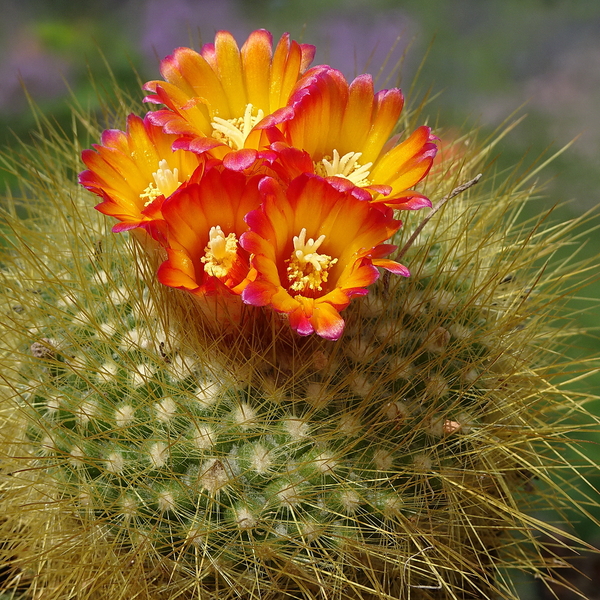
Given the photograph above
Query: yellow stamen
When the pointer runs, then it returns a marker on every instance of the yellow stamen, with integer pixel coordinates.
(220, 253)
(165, 183)
(347, 167)
(307, 268)
(234, 132)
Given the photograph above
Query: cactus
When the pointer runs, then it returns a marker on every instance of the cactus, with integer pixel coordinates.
(147, 454)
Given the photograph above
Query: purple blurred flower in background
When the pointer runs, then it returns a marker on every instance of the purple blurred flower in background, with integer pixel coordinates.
(168, 24)
(356, 42)
(26, 62)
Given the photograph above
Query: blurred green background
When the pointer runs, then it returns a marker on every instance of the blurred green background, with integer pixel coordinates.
(487, 58)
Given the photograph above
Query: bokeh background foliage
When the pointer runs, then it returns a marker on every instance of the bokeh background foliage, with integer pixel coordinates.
(484, 60)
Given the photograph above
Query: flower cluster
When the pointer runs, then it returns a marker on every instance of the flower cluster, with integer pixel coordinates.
(266, 182)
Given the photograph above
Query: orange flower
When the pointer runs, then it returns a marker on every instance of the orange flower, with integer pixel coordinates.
(134, 171)
(314, 248)
(204, 222)
(345, 131)
(220, 99)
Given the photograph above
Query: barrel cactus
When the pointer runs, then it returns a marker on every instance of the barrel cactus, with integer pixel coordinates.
(194, 411)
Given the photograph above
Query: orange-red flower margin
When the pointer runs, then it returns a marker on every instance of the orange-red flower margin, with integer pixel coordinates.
(221, 82)
(331, 115)
(221, 199)
(122, 168)
(354, 231)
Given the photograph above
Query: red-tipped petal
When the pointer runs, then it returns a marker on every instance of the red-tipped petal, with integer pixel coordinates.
(387, 109)
(258, 293)
(392, 266)
(413, 202)
(299, 322)
(240, 159)
(327, 321)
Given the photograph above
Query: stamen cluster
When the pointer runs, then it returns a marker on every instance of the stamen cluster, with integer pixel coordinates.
(165, 183)
(308, 269)
(235, 132)
(267, 183)
(220, 252)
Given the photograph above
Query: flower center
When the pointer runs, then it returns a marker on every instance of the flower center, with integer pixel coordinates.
(220, 252)
(165, 183)
(347, 167)
(307, 268)
(234, 132)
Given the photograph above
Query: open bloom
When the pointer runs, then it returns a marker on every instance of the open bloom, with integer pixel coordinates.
(134, 171)
(342, 132)
(314, 248)
(221, 99)
(205, 221)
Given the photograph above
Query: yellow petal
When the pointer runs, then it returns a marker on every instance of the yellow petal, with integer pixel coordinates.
(256, 62)
(229, 62)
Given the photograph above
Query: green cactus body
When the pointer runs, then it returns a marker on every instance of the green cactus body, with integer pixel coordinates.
(390, 464)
